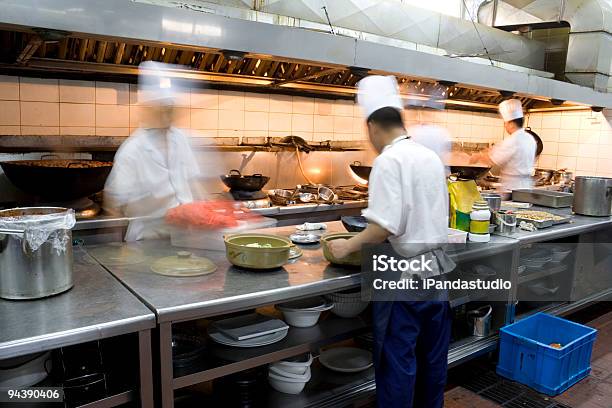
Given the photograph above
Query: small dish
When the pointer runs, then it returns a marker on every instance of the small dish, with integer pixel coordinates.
(304, 238)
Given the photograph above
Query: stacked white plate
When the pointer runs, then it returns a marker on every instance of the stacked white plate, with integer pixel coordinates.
(257, 330)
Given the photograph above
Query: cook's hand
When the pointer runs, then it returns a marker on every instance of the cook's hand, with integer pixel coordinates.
(339, 248)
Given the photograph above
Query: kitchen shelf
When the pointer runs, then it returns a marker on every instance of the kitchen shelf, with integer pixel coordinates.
(112, 401)
(328, 389)
(528, 277)
(298, 341)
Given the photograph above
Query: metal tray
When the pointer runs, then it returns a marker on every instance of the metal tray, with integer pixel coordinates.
(562, 221)
(538, 224)
(545, 198)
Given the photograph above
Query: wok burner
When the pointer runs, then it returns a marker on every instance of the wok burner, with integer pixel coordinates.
(248, 195)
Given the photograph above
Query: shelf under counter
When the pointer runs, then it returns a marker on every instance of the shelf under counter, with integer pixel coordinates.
(298, 341)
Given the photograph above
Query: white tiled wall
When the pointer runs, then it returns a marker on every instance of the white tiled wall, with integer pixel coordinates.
(580, 141)
(33, 106)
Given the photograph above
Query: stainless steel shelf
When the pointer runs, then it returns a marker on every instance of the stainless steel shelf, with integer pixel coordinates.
(542, 273)
(112, 401)
(327, 389)
(298, 341)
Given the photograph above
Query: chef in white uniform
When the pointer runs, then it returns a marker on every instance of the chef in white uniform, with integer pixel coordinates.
(154, 169)
(408, 206)
(436, 139)
(515, 156)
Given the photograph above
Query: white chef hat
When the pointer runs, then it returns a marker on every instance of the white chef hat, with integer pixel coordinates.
(511, 109)
(377, 91)
(156, 86)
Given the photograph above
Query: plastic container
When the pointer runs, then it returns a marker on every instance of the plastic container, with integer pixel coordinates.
(212, 239)
(526, 353)
(480, 218)
(456, 236)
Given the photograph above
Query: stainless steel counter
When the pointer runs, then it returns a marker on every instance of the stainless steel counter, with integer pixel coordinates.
(98, 306)
(579, 224)
(230, 289)
(108, 221)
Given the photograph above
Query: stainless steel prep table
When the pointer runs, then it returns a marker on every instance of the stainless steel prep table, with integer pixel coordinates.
(579, 224)
(231, 289)
(97, 307)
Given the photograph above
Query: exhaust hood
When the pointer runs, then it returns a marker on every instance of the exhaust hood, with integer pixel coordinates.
(110, 38)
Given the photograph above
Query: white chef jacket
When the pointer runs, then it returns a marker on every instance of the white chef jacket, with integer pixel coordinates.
(435, 138)
(516, 158)
(408, 197)
(151, 174)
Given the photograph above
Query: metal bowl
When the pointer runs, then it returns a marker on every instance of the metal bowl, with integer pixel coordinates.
(354, 223)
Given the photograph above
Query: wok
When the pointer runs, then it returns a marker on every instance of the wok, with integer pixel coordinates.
(469, 172)
(236, 181)
(354, 223)
(363, 172)
(58, 179)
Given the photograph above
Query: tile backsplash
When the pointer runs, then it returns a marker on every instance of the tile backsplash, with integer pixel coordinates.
(35, 106)
(578, 140)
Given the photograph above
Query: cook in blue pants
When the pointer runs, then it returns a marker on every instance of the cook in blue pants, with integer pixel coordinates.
(411, 350)
(408, 207)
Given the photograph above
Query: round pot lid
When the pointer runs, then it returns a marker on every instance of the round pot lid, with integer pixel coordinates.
(183, 264)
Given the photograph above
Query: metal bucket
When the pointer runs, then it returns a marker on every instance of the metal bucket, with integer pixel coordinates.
(480, 320)
(33, 264)
(506, 222)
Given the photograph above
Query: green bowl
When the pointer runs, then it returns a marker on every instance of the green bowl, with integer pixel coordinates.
(353, 259)
(239, 254)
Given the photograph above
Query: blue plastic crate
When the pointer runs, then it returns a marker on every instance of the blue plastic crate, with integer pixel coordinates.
(525, 354)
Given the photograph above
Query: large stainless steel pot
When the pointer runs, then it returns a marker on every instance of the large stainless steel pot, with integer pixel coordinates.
(35, 252)
(593, 196)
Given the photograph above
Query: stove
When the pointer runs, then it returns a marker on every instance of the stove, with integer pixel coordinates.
(248, 195)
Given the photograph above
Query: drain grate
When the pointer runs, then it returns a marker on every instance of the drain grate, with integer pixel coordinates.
(508, 394)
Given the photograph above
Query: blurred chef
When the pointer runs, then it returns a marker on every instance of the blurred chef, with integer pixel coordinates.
(154, 169)
(515, 156)
(408, 206)
(436, 139)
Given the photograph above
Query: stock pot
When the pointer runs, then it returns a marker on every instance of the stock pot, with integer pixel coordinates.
(35, 252)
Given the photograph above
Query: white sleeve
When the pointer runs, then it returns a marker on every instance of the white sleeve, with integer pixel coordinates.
(502, 152)
(385, 196)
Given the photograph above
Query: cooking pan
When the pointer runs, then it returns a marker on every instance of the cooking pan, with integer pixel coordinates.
(469, 172)
(58, 179)
(538, 140)
(363, 172)
(236, 181)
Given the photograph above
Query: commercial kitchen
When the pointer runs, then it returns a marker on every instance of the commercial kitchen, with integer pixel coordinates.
(178, 180)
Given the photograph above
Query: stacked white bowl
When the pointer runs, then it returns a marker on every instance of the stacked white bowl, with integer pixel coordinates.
(347, 304)
(290, 376)
(304, 312)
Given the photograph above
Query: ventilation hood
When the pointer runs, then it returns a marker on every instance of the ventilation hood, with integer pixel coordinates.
(589, 53)
(111, 37)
